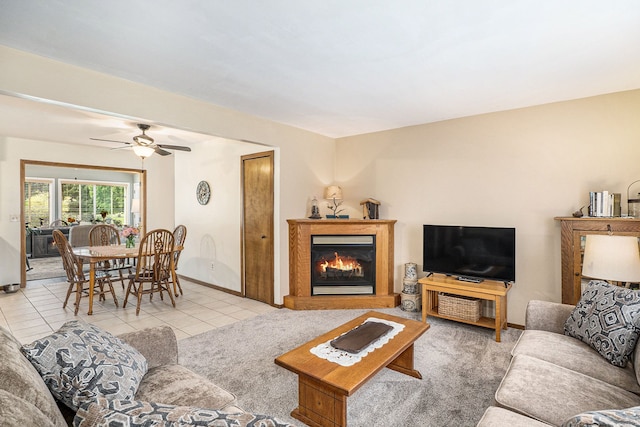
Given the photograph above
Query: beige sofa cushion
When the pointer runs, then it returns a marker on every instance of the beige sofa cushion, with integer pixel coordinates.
(24, 386)
(177, 385)
(553, 394)
(576, 355)
(500, 417)
(15, 411)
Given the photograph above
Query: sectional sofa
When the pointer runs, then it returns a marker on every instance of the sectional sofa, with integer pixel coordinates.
(574, 365)
(162, 393)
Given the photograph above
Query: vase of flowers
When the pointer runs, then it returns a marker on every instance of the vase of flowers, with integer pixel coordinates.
(130, 234)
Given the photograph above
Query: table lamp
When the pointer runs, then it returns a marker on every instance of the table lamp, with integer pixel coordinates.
(334, 193)
(614, 258)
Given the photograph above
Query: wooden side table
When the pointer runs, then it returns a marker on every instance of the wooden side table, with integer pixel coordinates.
(573, 230)
(487, 290)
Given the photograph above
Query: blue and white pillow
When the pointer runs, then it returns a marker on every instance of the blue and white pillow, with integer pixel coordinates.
(81, 362)
(124, 413)
(629, 417)
(607, 317)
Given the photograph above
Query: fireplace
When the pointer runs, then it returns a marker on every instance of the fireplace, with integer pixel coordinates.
(362, 248)
(343, 265)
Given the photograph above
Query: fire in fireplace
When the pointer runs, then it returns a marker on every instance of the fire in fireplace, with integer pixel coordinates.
(341, 268)
(343, 265)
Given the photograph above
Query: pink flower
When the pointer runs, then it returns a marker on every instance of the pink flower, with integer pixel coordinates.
(130, 231)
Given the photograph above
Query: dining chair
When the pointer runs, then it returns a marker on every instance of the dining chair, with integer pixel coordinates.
(58, 223)
(78, 281)
(179, 235)
(106, 235)
(79, 235)
(153, 267)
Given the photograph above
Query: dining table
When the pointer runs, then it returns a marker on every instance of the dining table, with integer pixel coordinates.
(95, 254)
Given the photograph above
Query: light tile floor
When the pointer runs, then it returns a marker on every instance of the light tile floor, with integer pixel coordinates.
(36, 311)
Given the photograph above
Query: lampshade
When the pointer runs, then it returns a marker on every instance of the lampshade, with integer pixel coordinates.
(333, 192)
(142, 151)
(610, 257)
(135, 206)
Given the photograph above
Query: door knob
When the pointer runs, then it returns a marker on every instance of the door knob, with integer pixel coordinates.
(263, 237)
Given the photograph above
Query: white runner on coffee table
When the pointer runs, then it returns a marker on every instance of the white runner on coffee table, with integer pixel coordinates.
(343, 358)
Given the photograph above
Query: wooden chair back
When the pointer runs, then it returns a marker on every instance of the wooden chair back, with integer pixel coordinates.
(155, 256)
(104, 235)
(72, 265)
(180, 235)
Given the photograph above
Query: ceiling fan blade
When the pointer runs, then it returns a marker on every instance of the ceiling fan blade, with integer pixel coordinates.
(110, 140)
(161, 152)
(124, 147)
(174, 147)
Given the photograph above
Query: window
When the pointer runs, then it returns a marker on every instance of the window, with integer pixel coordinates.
(94, 201)
(38, 201)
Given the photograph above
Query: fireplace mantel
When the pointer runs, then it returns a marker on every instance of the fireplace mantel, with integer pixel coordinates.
(300, 232)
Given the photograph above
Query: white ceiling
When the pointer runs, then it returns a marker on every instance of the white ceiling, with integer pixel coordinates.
(340, 67)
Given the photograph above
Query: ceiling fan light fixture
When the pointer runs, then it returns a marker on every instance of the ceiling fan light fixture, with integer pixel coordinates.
(143, 151)
(143, 139)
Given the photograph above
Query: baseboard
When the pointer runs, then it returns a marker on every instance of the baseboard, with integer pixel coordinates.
(220, 288)
(209, 285)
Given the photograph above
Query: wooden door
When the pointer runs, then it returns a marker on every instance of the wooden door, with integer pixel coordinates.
(257, 226)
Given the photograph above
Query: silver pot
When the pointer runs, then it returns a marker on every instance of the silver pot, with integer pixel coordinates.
(13, 287)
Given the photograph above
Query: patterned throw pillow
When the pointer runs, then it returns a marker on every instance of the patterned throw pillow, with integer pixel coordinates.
(81, 362)
(607, 317)
(610, 418)
(125, 413)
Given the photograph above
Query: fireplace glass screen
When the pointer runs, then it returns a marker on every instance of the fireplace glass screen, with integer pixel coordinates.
(343, 265)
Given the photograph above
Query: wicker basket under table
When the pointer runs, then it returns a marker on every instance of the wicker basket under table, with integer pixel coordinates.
(459, 306)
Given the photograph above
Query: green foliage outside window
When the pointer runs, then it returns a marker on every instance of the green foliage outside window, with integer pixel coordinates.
(85, 202)
(82, 201)
(36, 203)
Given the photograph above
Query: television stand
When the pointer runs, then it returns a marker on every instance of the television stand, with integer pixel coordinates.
(487, 290)
(469, 279)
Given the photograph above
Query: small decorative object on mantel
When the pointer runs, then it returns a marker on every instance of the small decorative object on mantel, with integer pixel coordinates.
(334, 193)
(370, 209)
(578, 213)
(315, 210)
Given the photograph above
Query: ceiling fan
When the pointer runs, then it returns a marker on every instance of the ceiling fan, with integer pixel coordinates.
(144, 146)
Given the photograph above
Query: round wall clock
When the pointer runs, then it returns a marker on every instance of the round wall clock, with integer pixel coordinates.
(203, 192)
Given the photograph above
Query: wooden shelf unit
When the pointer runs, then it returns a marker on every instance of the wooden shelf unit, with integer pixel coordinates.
(487, 290)
(572, 231)
(300, 232)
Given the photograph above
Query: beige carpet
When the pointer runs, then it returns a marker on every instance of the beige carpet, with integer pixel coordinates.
(461, 365)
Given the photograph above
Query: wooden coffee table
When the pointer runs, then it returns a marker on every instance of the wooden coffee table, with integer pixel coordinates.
(323, 386)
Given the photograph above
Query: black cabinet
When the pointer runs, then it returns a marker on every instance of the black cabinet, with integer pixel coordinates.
(42, 243)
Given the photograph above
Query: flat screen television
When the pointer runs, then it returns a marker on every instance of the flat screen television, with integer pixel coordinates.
(470, 253)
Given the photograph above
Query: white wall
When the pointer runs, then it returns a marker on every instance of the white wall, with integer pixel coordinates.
(518, 168)
(160, 187)
(212, 250)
